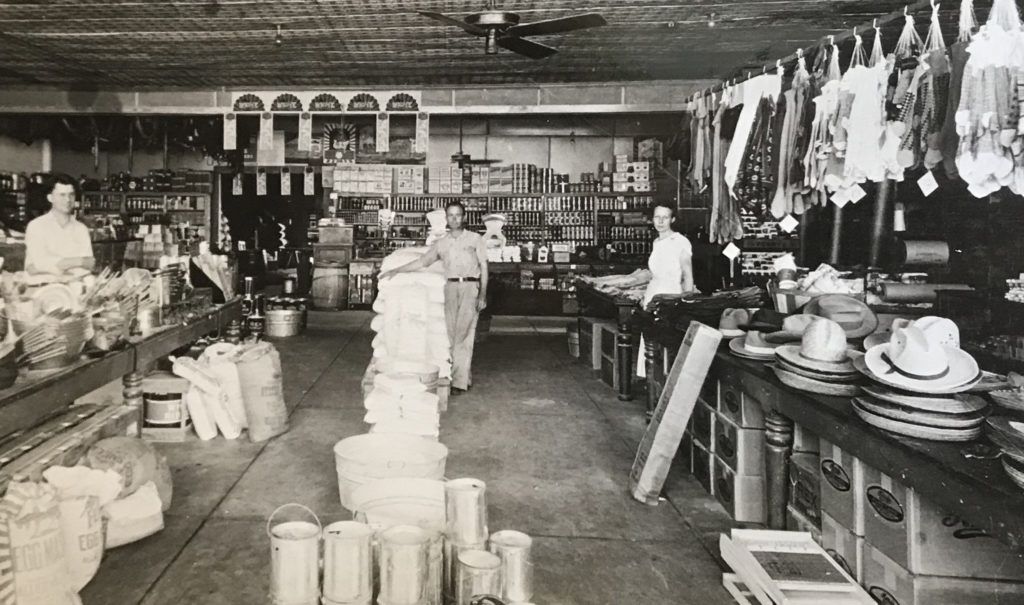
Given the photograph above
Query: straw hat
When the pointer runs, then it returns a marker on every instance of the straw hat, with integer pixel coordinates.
(853, 315)
(948, 404)
(753, 346)
(838, 378)
(793, 328)
(731, 319)
(913, 416)
(915, 430)
(940, 330)
(815, 386)
(822, 349)
(910, 361)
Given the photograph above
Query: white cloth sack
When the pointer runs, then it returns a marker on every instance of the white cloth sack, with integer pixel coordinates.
(221, 358)
(135, 517)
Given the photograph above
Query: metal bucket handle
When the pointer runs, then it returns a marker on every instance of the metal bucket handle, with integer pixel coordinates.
(292, 504)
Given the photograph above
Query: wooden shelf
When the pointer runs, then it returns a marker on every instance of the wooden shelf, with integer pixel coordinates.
(149, 193)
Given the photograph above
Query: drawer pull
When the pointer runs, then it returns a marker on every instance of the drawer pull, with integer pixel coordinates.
(731, 401)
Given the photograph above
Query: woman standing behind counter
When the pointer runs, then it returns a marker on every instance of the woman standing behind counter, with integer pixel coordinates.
(669, 269)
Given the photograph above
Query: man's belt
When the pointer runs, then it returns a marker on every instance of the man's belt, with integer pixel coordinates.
(462, 279)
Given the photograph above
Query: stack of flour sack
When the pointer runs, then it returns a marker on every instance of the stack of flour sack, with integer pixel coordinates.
(406, 383)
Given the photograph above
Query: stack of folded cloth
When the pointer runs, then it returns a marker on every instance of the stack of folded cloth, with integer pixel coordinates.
(822, 363)
(402, 404)
(920, 378)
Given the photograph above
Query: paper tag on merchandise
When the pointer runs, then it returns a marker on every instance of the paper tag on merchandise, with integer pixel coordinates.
(927, 183)
(855, 194)
(286, 182)
(309, 182)
(788, 224)
(840, 198)
(731, 251)
(261, 182)
(230, 132)
(305, 132)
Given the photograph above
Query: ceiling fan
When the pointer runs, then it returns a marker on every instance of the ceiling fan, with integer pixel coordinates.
(503, 29)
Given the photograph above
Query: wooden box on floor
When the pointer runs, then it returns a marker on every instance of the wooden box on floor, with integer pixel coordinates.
(743, 496)
(926, 540)
(843, 546)
(842, 481)
(805, 486)
(888, 582)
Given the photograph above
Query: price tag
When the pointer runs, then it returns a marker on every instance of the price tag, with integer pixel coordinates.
(261, 182)
(788, 224)
(309, 182)
(286, 182)
(731, 251)
(230, 132)
(236, 185)
(305, 132)
(927, 183)
(856, 193)
(840, 198)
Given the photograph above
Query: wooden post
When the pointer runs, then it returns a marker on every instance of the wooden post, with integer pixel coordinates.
(837, 235)
(651, 350)
(624, 352)
(881, 220)
(778, 444)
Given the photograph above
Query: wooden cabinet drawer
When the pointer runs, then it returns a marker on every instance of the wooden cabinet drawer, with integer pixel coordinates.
(608, 331)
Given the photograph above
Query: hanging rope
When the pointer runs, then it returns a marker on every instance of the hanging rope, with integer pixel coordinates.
(1005, 14)
(877, 53)
(909, 42)
(857, 58)
(833, 72)
(934, 41)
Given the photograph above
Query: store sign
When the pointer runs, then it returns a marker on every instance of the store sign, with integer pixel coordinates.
(355, 101)
(363, 102)
(325, 102)
(286, 102)
(402, 102)
(248, 102)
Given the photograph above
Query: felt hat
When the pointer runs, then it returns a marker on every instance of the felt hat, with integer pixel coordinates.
(822, 349)
(811, 385)
(753, 346)
(765, 320)
(856, 318)
(910, 361)
(793, 328)
(731, 319)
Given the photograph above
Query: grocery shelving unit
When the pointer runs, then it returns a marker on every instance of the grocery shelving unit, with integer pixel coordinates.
(149, 207)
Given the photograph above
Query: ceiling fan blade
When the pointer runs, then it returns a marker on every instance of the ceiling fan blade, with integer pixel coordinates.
(555, 26)
(528, 48)
(469, 27)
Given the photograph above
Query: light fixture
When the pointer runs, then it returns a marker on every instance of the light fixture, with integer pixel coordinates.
(278, 40)
(711, 20)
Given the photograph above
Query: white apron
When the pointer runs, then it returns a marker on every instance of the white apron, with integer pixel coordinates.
(666, 267)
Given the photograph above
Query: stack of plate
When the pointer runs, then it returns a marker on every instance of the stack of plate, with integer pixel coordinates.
(948, 417)
(1008, 434)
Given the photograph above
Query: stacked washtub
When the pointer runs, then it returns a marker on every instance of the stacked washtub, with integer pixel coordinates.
(430, 535)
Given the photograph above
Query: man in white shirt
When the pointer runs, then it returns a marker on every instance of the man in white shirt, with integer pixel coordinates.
(56, 242)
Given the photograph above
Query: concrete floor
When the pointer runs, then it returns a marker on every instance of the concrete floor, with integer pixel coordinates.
(553, 444)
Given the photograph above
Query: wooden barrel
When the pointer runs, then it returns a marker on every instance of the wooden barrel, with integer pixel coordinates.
(330, 287)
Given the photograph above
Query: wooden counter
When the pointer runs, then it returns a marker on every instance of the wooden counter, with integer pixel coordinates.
(976, 490)
(32, 400)
(595, 303)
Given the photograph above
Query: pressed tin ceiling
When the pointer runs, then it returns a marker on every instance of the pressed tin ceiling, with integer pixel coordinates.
(231, 43)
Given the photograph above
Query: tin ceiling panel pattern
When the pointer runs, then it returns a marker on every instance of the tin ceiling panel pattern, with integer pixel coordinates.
(231, 43)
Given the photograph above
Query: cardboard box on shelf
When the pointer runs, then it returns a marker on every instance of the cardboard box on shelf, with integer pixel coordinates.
(704, 425)
(742, 450)
(926, 540)
(738, 406)
(704, 467)
(804, 440)
(842, 481)
(743, 496)
(888, 582)
(805, 486)
(795, 521)
(842, 545)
